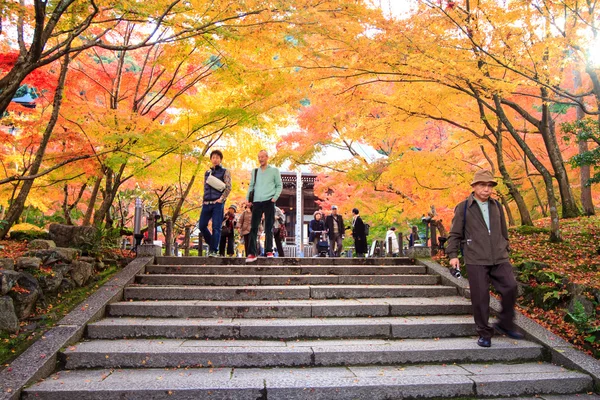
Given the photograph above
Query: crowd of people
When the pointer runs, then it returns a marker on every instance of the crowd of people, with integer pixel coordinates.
(260, 225)
(478, 233)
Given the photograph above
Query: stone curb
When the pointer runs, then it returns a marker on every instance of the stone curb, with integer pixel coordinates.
(39, 360)
(560, 351)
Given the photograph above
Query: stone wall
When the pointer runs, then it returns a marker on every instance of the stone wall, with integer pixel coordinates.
(43, 269)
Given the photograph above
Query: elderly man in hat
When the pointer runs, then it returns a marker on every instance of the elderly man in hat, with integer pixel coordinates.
(334, 224)
(479, 231)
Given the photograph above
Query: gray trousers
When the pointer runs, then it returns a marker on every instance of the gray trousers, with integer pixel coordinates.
(501, 276)
(335, 243)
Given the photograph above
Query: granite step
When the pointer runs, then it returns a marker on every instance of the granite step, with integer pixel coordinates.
(284, 261)
(283, 292)
(333, 383)
(171, 353)
(287, 270)
(367, 307)
(436, 326)
(270, 280)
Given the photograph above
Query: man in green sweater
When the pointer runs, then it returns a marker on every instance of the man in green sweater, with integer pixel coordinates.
(265, 187)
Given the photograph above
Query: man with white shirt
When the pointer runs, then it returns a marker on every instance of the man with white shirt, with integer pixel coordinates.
(480, 232)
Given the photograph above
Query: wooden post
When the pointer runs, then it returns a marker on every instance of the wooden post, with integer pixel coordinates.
(200, 244)
(169, 238)
(434, 242)
(389, 246)
(400, 244)
(186, 241)
(176, 248)
(151, 229)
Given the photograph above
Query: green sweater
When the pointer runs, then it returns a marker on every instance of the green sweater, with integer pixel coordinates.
(267, 186)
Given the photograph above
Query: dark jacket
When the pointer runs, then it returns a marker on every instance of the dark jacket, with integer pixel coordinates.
(315, 226)
(329, 225)
(360, 236)
(480, 246)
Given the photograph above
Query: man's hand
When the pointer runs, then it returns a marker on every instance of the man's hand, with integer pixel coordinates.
(219, 200)
(273, 200)
(454, 263)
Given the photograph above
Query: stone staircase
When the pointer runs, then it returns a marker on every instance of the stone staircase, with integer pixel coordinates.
(314, 328)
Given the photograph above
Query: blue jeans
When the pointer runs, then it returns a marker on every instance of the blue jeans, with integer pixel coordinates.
(214, 212)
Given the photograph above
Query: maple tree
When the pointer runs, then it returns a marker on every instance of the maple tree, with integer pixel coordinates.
(464, 67)
(436, 95)
(129, 82)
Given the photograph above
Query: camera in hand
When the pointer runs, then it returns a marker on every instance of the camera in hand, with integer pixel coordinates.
(455, 272)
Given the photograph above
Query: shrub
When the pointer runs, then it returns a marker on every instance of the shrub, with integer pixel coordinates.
(27, 232)
(531, 230)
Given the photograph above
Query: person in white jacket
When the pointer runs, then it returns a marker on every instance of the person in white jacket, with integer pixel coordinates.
(391, 233)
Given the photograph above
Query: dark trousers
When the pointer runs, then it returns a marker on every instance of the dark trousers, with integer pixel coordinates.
(258, 209)
(501, 276)
(227, 241)
(246, 243)
(278, 243)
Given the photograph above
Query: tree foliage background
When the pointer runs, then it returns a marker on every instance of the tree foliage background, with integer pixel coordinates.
(395, 111)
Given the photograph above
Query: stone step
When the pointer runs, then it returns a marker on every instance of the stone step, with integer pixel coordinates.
(164, 260)
(332, 383)
(172, 353)
(287, 270)
(270, 280)
(283, 292)
(383, 307)
(436, 326)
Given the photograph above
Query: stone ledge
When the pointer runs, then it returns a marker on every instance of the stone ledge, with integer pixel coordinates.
(559, 351)
(145, 250)
(39, 360)
(462, 284)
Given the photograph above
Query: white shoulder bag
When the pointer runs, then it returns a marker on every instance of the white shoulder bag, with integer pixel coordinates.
(215, 182)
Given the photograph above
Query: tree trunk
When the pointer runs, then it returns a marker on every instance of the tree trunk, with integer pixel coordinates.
(113, 182)
(548, 131)
(16, 207)
(584, 170)
(90, 209)
(554, 218)
(177, 210)
(65, 206)
(512, 188)
(509, 216)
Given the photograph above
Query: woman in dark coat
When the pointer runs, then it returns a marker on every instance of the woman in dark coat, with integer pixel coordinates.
(359, 234)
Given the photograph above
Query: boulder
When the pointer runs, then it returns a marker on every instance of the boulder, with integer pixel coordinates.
(8, 279)
(53, 256)
(69, 235)
(49, 283)
(8, 318)
(81, 272)
(7, 263)
(25, 298)
(31, 263)
(588, 306)
(41, 244)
